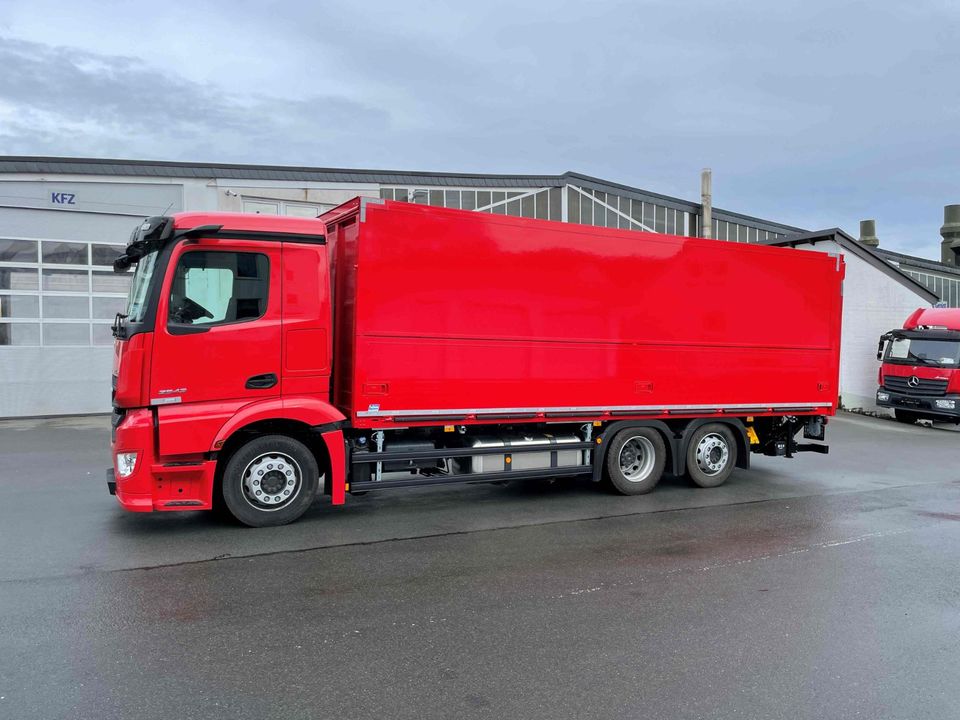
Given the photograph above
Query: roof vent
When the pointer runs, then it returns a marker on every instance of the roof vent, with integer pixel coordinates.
(868, 233)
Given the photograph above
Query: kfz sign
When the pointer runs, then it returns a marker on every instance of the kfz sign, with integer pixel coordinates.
(62, 198)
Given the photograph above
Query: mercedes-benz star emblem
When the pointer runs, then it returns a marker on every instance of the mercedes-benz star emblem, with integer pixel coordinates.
(913, 381)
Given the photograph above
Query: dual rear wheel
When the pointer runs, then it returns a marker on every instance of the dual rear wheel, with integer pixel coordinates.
(637, 456)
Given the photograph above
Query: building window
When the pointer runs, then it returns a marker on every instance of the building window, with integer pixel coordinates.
(111, 282)
(585, 206)
(66, 333)
(104, 254)
(66, 280)
(19, 306)
(106, 308)
(102, 334)
(18, 251)
(528, 206)
(65, 253)
(573, 206)
(648, 216)
(66, 307)
(19, 333)
(556, 203)
(542, 200)
(18, 279)
(59, 292)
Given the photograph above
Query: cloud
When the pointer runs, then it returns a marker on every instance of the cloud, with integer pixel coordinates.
(811, 112)
(67, 101)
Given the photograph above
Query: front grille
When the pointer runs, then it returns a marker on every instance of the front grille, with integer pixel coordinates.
(923, 387)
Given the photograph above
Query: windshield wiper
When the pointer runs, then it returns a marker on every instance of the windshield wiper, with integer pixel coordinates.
(119, 329)
(924, 360)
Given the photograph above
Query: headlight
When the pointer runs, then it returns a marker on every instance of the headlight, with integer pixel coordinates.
(883, 397)
(126, 462)
(947, 404)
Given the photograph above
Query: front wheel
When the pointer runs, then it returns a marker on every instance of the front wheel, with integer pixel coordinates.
(635, 460)
(711, 455)
(271, 480)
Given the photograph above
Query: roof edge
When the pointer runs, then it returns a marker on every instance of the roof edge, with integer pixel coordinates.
(255, 166)
(849, 243)
(403, 177)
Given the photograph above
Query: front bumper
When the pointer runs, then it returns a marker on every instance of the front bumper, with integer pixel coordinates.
(176, 483)
(925, 407)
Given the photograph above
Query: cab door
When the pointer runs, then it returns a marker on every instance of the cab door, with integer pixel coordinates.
(217, 339)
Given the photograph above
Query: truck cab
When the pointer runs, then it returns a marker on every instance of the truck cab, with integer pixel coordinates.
(226, 334)
(920, 375)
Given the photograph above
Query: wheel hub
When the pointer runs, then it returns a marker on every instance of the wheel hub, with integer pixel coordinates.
(271, 481)
(713, 453)
(636, 459)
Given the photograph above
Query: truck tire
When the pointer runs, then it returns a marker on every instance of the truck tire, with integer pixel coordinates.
(635, 460)
(711, 455)
(905, 416)
(271, 480)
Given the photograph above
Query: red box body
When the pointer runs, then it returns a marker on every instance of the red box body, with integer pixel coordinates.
(446, 315)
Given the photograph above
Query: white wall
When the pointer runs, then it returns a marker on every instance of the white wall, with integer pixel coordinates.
(54, 380)
(873, 303)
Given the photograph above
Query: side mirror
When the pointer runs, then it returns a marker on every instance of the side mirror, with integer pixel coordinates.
(883, 339)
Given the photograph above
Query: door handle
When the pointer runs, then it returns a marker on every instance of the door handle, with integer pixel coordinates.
(261, 382)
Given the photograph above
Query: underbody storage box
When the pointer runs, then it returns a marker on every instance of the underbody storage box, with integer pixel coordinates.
(552, 454)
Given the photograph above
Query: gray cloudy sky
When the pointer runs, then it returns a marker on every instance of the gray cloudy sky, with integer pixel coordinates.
(811, 113)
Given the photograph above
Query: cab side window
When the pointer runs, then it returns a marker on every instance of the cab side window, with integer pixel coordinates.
(213, 287)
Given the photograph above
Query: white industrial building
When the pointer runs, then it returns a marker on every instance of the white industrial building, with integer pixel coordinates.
(64, 220)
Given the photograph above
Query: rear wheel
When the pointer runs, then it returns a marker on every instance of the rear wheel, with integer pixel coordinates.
(905, 416)
(711, 455)
(271, 480)
(635, 460)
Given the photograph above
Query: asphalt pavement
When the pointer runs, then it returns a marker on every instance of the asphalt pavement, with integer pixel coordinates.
(818, 587)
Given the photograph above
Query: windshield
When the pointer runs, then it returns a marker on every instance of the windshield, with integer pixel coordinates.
(916, 351)
(137, 301)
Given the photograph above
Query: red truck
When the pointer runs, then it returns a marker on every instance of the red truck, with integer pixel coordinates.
(263, 361)
(920, 375)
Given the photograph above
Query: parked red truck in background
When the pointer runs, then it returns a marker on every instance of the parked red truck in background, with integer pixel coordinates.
(264, 360)
(920, 374)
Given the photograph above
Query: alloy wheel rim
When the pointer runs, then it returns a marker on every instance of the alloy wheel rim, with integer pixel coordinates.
(271, 481)
(636, 459)
(713, 454)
